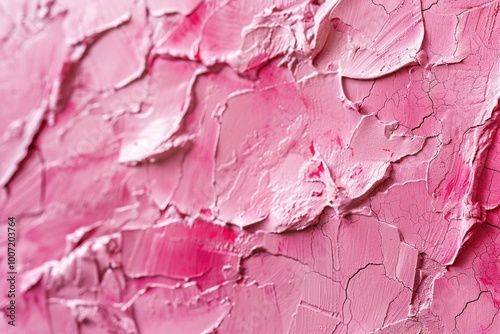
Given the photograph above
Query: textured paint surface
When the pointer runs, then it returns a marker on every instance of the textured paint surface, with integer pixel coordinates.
(240, 166)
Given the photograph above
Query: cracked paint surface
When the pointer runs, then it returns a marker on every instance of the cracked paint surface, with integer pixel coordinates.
(237, 166)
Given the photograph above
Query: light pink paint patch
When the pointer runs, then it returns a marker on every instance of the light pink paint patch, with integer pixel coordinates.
(238, 166)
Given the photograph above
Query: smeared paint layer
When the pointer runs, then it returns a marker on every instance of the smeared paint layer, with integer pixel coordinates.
(238, 166)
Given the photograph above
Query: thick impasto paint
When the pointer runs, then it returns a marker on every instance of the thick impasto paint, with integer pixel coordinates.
(250, 167)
